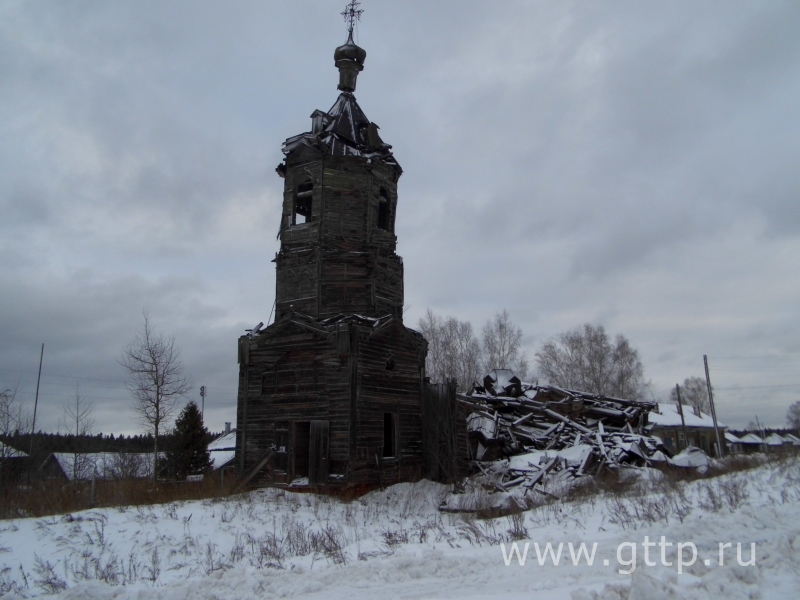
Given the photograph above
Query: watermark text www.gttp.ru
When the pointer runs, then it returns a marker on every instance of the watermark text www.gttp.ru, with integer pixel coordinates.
(626, 555)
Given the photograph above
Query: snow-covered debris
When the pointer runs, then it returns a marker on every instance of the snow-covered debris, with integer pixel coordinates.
(690, 457)
(523, 436)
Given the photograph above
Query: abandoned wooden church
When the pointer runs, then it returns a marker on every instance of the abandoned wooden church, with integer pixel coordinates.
(332, 392)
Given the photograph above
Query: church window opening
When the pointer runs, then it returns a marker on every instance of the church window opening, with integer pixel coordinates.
(384, 221)
(389, 437)
(303, 203)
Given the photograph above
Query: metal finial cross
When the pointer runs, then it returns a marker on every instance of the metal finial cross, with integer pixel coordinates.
(351, 15)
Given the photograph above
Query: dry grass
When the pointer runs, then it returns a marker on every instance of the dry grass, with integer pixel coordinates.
(43, 498)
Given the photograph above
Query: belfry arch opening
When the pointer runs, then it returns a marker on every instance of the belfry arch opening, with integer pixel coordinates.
(303, 203)
(384, 211)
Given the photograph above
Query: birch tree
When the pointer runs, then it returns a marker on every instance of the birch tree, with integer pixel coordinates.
(156, 380)
(12, 421)
(502, 346)
(793, 416)
(694, 393)
(78, 421)
(586, 360)
(453, 350)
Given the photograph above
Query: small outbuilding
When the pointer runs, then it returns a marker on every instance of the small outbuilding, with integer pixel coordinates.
(751, 443)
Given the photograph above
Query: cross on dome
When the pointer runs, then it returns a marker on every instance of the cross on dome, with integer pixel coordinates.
(352, 14)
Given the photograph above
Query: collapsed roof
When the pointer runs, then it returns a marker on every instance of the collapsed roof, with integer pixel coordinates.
(526, 439)
(342, 131)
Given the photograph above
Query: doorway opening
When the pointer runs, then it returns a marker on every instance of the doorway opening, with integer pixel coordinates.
(302, 438)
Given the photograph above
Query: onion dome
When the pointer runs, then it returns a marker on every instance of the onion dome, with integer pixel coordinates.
(349, 59)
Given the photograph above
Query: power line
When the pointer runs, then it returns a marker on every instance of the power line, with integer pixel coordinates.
(762, 357)
(760, 387)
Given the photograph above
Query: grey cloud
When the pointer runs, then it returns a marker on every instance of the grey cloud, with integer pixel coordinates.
(628, 164)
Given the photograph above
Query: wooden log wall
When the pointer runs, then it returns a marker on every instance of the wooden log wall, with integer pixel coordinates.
(340, 261)
(348, 374)
(396, 390)
(446, 443)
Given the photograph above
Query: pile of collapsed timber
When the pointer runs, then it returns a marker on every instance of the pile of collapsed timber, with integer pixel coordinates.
(530, 438)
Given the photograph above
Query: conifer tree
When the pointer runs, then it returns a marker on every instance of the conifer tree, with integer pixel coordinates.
(189, 454)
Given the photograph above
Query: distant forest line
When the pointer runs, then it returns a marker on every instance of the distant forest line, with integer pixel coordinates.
(45, 443)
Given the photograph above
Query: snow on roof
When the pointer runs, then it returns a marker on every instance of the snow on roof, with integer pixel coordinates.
(668, 416)
(223, 449)
(105, 465)
(227, 441)
(792, 439)
(731, 439)
(750, 438)
(9, 452)
(775, 440)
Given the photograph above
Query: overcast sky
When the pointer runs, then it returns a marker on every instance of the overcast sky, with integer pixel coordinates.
(626, 164)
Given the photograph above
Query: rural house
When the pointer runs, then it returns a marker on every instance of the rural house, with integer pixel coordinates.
(678, 429)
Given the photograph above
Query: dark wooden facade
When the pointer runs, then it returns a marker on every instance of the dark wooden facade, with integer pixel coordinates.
(335, 385)
(339, 399)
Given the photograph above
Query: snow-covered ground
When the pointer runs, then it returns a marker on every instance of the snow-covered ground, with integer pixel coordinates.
(396, 544)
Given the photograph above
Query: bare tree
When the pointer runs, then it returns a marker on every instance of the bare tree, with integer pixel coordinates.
(155, 378)
(502, 346)
(130, 465)
(78, 421)
(585, 359)
(12, 420)
(694, 393)
(430, 328)
(453, 350)
(11, 415)
(793, 416)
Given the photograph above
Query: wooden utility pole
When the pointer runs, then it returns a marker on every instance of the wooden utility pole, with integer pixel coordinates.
(720, 447)
(33, 424)
(683, 421)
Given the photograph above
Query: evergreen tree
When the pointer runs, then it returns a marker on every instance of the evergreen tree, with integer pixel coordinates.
(189, 453)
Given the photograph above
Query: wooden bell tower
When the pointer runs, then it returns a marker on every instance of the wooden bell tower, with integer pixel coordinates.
(334, 386)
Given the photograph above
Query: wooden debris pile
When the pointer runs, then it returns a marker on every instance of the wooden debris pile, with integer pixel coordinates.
(531, 438)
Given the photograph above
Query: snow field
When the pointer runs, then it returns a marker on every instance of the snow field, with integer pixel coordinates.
(395, 543)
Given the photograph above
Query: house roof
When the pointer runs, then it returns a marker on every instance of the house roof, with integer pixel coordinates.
(792, 439)
(668, 416)
(750, 438)
(9, 452)
(223, 449)
(104, 465)
(732, 439)
(775, 440)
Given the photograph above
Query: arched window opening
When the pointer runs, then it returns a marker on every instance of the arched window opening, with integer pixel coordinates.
(303, 203)
(384, 212)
